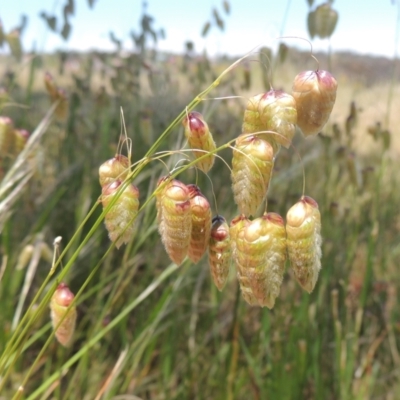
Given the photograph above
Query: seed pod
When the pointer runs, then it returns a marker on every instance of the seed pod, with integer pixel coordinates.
(311, 24)
(63, 320)
(303, 228)
(201, 223)
(176, 220)
(219, 251)
(278, 114)
(236, 230)
(6, 136)
(199, 137)
(119, 219)
(114, 168)
(315, 95)
(161, 185)
(252, 163)
(252, 122)
(262, 253)
(325, 20)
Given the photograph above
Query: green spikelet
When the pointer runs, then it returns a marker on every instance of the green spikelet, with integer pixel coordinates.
(303, 228)
(175, 220)
(262, 253)
(278, 113)
(199, 137)
(7, 137)
(201, 223)
(119, 219)
(252, 163)
(219, 251)
(236, 229)
(315, 95)
(115, 168)
(60, 301)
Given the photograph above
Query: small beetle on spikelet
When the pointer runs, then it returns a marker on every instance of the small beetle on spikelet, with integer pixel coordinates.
(252, 164)
(236, 229)
(175, 219)
(60, 301)
(199, 137)
(114, 168)
(201, 223)
(278, 113)
(219, 251)
(119, 218)
(315, 95)
(262, 255)
(303, 229)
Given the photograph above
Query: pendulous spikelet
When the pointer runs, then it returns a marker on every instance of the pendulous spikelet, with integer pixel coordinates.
(303, 229)
(278, 113)
(6, 136)
(252, 163)
(57, 95)
(261, 253)
(114, 168)
(119, 218)
(175, 219)
(201, 223)
(199, 137)
(315, 95)
(60, 301)
(219, 251)
(236, 229)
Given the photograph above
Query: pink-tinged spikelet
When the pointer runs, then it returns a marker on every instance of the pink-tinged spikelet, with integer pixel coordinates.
(236, 229)
(6, 136)
(278, 113)
(175, 224)
(261, 253)
(201, 223)
(252, 163)
(303, 229)
(114, 168)
(60, 301)
(199, 137)
(219, 251)
(119, 219)
(315, 95)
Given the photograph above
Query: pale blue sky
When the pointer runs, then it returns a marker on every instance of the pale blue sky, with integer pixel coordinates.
(366, 26)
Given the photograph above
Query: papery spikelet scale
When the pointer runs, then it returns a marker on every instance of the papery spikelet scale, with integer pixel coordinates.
(199, 137)
(119, 220)
(201, 223)
(303, 228)
(175, 220)
(60, 301)
(315, 95)
(219, 251)
(252, 164)
(114, 168)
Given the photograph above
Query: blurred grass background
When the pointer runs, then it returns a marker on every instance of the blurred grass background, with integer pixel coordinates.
(150, 330)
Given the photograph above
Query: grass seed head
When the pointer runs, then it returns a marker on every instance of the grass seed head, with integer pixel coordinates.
(21, 136)
(236, 229)
(219, 251)
(175, 223)
(199, 137)
(315, 95)
(303, 229)
(261, 254)
(325, 20)
(201, 223)
(252, 164)
(115, 168)
(60, 301)
(119, 219)
(278, 113)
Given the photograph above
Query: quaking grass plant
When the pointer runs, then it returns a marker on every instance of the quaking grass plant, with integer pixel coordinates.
(235, 357)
